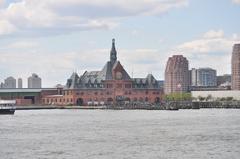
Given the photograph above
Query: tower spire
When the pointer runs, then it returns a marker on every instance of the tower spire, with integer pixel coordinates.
(113, 53)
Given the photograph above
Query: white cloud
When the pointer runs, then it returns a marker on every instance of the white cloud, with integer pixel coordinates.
(236, 1)
(141, 62)
(211, 41)
(135, 32)
(60, 16)
(212, 34)
(206, 51)
(23, 45)
(6, 27)
(213, 49)
(55, 68)
(2, 3)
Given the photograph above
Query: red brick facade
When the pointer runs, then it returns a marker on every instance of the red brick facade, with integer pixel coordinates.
(111, 85)
(109, 94)
(104, 96)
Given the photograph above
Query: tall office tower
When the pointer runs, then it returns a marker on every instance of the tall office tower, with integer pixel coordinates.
(194, 77)
(20, 85)
(206, 77)
(236, 67)
(10, 82)
(34, 81)
(176, 75)
(1, 85)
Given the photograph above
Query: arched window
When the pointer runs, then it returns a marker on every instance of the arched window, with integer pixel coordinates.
(146, 99)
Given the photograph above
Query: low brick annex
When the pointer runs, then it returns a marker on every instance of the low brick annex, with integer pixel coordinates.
(108, 86)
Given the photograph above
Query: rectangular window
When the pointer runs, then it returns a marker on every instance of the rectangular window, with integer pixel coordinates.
(119, 85)
(109, 85)
(127, 85)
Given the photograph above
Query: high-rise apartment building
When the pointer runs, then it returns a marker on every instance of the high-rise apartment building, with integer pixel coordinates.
(10, 82)
(34, 81)
(236, 67)
(20, 85)
(206, 77)
(2, 85)
(176, 75)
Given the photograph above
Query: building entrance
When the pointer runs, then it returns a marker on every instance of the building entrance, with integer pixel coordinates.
(79, 102)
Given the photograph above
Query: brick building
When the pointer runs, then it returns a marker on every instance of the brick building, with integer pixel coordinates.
(109, 86)
(236, 67)
(177, 76)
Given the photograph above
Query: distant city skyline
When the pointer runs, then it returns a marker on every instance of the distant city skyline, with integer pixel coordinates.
(56, 38)
(33, 81)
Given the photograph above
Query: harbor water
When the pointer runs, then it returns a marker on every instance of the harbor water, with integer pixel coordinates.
(121, 134)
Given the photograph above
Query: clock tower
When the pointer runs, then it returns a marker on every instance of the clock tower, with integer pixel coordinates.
(113, 53)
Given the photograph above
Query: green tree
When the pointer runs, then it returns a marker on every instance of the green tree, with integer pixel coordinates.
(200, 98)
(229, 98)
(178, 96)
(223, 99)
(209, 97)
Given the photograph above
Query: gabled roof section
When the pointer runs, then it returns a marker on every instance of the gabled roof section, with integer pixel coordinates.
(124, 72)
(148, 82)
(150, 78)
(91, 77)
(72, 81)
(107, 71)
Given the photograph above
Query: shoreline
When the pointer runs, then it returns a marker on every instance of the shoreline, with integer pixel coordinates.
(38, 107)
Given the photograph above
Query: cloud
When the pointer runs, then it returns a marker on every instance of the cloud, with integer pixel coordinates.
(23, 45)
(211, 41)
(2, 2)
(109, 8)
(212, 34)
(61, 16)
(6, 27)
(212, 49)
(142, 61)
(236, 1)
(55, 68)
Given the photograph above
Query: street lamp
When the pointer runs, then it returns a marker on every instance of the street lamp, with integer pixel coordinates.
(179, 86)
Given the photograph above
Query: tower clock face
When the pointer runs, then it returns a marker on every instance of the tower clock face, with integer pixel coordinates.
(119, 75)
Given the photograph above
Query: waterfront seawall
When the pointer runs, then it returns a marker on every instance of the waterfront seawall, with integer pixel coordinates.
(169, 106)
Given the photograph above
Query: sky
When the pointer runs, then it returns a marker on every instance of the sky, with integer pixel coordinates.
(54, 38)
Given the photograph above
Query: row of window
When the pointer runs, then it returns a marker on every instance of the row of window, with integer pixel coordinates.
(107, 93)
(119, 85)
(70, 100)
(128, 99)
(143, 86)
(56, 100)
(67, 93)
(88, 85)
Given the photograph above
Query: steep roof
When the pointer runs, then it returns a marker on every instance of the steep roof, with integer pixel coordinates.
(107, 71)
(125, 75)
(94, 79)
(72, 81)
(148, 82)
